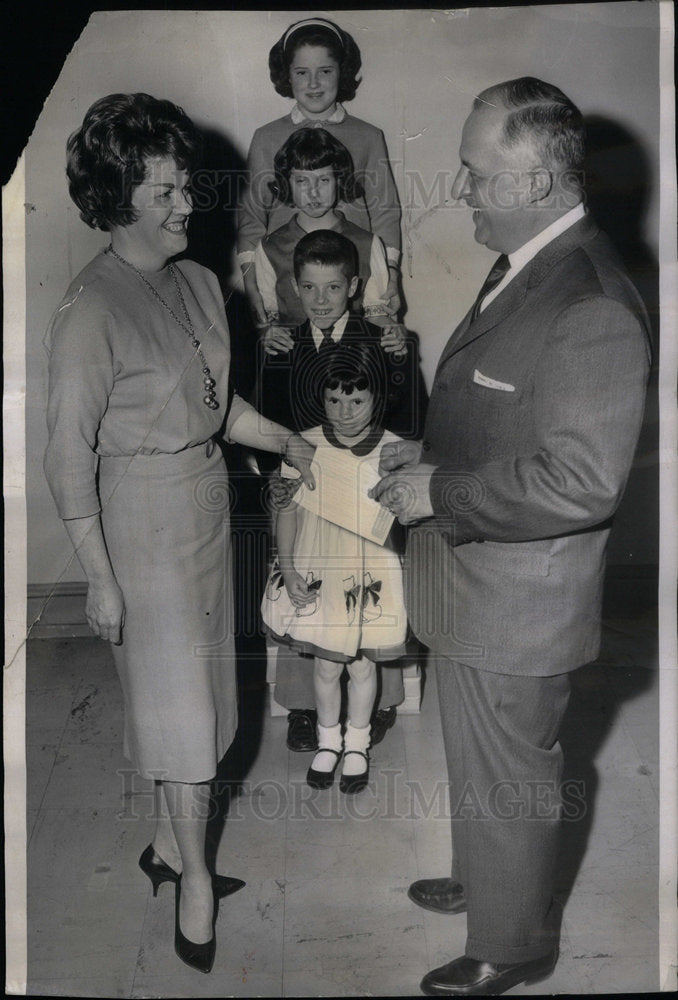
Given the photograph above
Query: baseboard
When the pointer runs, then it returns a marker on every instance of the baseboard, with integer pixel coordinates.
(57, 611)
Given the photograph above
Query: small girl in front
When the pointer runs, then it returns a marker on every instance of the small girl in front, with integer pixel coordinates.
(333, 593)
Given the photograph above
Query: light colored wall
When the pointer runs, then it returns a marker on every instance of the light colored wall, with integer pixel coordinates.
(421, 70)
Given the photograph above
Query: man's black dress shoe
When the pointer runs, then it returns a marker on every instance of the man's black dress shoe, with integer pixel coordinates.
(380, 723)
(442, 895)
(467, 977)
(301, 732)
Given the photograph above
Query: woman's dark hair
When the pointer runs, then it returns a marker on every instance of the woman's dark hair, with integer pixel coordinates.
(338, 43)
(106, 156)
(313, 149)
(357, 365)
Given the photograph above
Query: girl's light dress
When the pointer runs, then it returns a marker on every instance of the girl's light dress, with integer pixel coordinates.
(358, 606)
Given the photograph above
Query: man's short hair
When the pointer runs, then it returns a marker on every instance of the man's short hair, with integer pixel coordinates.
(326, 247)
(539, 114)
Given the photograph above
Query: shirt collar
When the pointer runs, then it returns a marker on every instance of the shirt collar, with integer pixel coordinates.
(364, 447)
(337, 116)
(524, 254)
(337, 332)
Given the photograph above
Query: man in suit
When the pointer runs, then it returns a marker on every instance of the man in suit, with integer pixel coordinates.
(533, 419)
(326, 279)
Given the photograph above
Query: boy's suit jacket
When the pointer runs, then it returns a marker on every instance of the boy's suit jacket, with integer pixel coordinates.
(288, 389)
(533, 420)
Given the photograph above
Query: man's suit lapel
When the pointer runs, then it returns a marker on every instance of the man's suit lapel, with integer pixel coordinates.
(514, 294)
(505, 303)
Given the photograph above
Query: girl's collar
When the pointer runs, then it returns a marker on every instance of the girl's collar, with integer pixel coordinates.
(298, 117)
(363, 447)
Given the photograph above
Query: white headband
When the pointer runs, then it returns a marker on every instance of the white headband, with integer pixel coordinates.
(311, 22)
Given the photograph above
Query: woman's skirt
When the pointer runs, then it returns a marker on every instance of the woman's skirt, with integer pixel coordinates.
(166, 525)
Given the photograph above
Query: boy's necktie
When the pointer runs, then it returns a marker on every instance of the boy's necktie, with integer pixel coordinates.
(499, 269)
(327, 339)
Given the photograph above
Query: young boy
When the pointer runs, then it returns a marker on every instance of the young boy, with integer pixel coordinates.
(325, 279)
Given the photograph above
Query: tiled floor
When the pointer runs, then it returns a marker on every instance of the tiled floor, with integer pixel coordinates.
(324, 911)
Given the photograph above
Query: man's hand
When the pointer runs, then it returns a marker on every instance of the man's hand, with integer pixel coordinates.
(404, 488)
(399, 455)
(277, 339)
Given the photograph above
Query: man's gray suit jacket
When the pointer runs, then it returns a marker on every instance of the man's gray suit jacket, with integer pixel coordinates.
(533, 421)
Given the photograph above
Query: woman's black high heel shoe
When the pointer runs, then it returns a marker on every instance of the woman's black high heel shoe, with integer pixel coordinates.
(198, 956)
(158, 871)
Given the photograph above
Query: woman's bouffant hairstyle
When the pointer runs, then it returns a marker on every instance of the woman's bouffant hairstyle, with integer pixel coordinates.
(313, 149)
(355, 365)
(316, 31)
(106, 156)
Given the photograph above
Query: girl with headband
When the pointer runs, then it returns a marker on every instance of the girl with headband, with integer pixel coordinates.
(317, 63)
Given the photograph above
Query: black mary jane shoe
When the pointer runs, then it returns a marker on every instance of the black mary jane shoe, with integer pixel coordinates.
(198, 956)
(465, 977)
(352, 783)
(323, 779)
(159, 871)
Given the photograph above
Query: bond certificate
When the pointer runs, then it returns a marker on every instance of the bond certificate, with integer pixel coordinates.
(342, 482)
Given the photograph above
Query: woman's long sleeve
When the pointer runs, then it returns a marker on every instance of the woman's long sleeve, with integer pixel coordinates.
(80, 382)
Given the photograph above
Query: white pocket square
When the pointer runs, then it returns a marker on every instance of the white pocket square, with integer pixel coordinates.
(492, 383)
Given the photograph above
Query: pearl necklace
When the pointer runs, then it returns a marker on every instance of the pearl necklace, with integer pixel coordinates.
(209, 399)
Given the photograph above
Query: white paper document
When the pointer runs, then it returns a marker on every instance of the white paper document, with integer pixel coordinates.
(342, 481)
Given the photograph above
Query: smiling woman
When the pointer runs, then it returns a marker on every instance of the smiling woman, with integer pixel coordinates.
(139, 386)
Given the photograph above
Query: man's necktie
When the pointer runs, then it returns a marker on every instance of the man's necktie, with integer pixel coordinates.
(499, 269)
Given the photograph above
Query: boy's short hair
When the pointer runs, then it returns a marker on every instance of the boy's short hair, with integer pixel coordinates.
(313, 149)
(328, 248)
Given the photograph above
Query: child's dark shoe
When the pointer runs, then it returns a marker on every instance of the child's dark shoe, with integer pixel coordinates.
(321, 772)
(356, 768)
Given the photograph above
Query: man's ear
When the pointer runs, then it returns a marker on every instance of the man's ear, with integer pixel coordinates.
(541, 184)
(353, 286)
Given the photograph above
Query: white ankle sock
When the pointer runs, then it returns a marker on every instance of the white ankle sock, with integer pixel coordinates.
(329, 738)
(355, 739)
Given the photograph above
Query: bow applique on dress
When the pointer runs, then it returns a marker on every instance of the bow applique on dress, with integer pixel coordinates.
(371, 608)
(351, 594)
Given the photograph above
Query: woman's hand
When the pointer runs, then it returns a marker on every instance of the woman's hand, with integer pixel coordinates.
(393, 339)
(299, 454)
(105, 610)
(297, 589)
(276, 339)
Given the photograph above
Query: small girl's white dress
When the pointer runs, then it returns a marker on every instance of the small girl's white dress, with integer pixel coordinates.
(359, 606)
